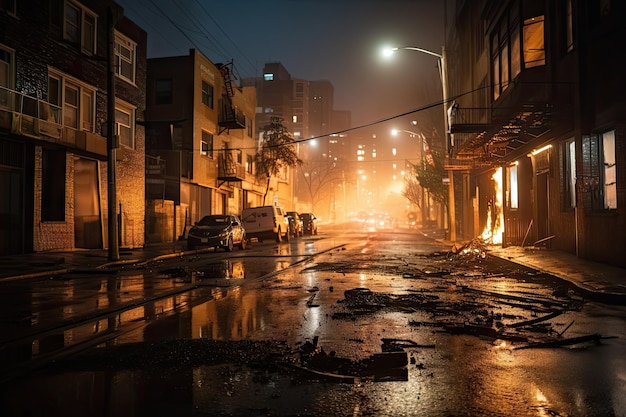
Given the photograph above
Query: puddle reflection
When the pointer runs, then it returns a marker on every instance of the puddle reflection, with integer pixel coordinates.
(228, 269)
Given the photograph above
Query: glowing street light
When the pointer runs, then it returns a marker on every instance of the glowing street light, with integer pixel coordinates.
(443, 72)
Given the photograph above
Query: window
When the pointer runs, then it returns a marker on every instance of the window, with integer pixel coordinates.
(598, 180)
(87, 116)
(610, 177)
(249, 160)
(6, 77)
(53, 186)
(76, 99)
(534, 51)
(125, 58)
(207, 94)
(569, 27)
(125, 124)
(206, 145)
(268, 77)
(568, 175)
(248, 127)
(513, 193)
(163, 91)
(239, 156)
(505, 52)
(10, 6)
(80, 27)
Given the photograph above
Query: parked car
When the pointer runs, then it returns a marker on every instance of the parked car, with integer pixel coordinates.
(266, 222)
(309, 223)
(295, 224)
(217, 231)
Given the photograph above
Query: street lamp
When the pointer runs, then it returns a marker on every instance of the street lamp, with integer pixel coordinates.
(443, 72)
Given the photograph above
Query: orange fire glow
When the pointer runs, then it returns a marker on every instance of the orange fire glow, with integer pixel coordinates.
(495, 216)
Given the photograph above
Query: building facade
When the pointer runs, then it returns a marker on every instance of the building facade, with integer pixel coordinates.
(201, 144)
(55, 63)
(537, 122)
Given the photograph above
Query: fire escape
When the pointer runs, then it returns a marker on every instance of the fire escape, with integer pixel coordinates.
(229, 117)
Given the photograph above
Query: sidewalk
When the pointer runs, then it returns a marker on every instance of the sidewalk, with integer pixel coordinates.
(594, 280)
(42, 264)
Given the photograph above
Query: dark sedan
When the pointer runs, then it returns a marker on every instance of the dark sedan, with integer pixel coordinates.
(217, 231)
(309, 223)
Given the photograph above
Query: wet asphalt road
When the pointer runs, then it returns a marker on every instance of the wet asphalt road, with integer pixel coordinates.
(346, 293)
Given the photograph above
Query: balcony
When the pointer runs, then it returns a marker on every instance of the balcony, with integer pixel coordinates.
(230, 117)
(229, 170)
(467, 120)
(524, 112)
(34, 118)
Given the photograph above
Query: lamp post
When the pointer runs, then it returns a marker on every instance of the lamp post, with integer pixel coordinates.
(443, 72)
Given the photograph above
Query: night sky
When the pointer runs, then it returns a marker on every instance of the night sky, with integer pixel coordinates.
(335, 40)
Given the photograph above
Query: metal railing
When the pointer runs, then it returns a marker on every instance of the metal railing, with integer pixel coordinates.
(14, 101)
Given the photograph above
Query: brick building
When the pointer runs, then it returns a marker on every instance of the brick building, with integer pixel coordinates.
(201, 144)
(538, 122)
(53, 117)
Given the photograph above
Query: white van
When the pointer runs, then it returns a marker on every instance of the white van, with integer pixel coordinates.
(266, 222)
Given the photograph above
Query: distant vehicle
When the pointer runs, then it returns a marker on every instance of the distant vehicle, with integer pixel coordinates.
(217, 231)
(309, 223)
(266, 222)
(295, 224)
(412, 220)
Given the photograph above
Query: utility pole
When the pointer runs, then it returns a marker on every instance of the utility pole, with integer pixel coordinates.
(112, 141)
(444, 82)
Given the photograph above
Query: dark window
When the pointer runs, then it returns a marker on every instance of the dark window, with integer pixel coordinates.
(163, 91)
(567, 170)
(53, 186)
(9, 5)
(207, 94)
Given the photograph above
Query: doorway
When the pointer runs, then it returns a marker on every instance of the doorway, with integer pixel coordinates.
(87, 218)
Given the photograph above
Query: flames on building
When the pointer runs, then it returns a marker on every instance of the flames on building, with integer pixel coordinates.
(494, 229)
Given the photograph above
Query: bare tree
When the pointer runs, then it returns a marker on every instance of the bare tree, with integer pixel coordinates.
(319, 177)
(278, 151)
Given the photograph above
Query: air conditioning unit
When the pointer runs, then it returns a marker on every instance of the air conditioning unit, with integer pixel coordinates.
(25, 125)
(50, 129)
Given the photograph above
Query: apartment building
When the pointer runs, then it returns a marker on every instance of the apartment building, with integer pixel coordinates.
(55, 63)
(537, 128)
(200, 144)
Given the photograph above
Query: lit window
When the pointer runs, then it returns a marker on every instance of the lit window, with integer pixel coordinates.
(206, 147)
(598, 181)
(610, 177)
(125, 58)
(268, 77)
(75, 98)
(534, 51)
(513, 189)
(125, 124)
